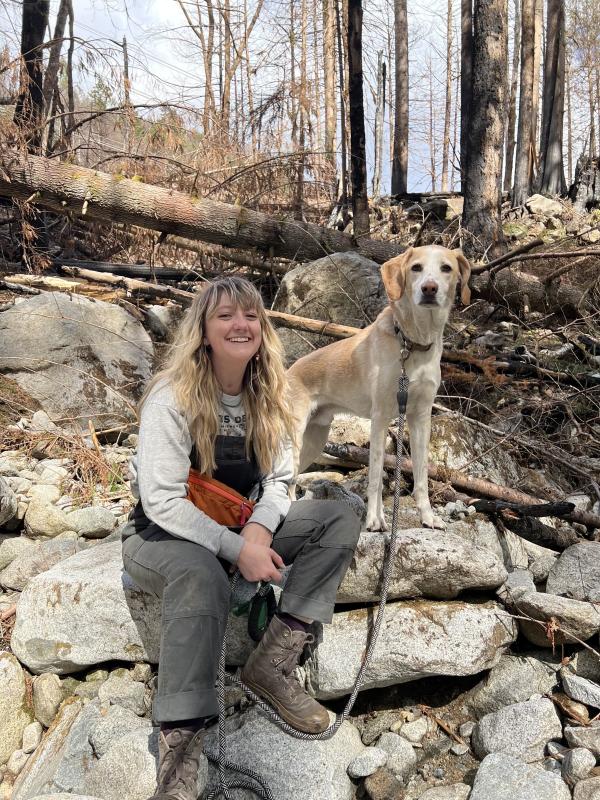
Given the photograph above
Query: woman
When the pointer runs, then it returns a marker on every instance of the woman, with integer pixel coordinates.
(220, 406)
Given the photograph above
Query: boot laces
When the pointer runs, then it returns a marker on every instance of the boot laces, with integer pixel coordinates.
(290, 662)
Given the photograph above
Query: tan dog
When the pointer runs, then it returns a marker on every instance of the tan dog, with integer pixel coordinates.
(360, 375)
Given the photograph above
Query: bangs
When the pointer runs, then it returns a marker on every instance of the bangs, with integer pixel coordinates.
(239, 292)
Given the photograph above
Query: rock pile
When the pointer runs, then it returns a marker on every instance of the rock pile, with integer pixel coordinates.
(76, 686)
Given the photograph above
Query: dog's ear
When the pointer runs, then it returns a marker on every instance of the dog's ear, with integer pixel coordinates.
(465, 273)
(393, 275)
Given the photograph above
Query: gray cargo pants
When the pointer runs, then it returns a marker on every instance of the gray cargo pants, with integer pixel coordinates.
(318, 537)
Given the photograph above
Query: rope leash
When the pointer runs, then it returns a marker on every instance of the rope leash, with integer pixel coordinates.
(249, 778)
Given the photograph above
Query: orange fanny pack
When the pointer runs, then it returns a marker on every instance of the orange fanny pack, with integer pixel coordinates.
(218, 501)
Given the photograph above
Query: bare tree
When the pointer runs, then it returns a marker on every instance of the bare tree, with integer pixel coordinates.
(512, 104)
(400, 159)
(358, 150)
(481, 216)
(329, 80)
(448, 101)
(552, 174)
(380, 101)
(524, 157)
(466, 88)
(29, 110)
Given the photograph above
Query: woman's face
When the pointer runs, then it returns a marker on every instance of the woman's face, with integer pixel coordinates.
(233, 334)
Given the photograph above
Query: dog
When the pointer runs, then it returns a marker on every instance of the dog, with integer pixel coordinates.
(360, 374)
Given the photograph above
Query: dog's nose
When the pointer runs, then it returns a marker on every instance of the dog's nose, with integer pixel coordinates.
(429, 289)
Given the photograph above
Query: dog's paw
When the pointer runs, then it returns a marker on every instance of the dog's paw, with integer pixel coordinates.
(431, 520)
(376, 522)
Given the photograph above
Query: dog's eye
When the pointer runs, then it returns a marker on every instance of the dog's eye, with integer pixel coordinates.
(416, 268)
(446, 268)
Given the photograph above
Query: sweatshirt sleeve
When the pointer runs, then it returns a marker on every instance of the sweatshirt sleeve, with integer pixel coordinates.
(275, 502)
(162, 467)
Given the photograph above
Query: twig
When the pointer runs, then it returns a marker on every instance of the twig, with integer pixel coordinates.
(8, 613)
(440, 722)
(498, 263)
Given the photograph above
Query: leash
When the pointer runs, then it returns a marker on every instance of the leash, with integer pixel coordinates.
(249, 778)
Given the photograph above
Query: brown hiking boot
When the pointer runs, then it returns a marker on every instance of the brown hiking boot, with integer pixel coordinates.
(179, 754)
(269, 673)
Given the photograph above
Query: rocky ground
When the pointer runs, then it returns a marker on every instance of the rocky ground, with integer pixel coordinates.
(485, 682)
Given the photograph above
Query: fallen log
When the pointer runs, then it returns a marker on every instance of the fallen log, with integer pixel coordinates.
(473, 486)
(74, 190)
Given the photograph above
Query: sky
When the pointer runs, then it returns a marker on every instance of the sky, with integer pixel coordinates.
(165, 65)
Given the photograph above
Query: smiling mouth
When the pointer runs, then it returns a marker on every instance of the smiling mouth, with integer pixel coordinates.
(239, 339)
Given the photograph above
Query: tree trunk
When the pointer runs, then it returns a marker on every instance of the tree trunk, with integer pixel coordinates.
(379, 118)
(512, 107)
(481, 216)
(524, 159)
(466, 87)
(343, 112)
(29, 110)
(70, 189)
(358, 150)
(329, 79)
(552, 174)
(448, 102)
(51, 74)
(400, 160)
(535, 107)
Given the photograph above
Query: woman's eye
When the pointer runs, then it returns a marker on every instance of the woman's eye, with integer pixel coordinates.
(416, 268)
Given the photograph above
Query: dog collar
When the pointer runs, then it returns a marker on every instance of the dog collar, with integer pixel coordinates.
(409, 345)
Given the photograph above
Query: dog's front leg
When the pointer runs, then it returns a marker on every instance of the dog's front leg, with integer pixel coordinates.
(418, 416)
(375, 516)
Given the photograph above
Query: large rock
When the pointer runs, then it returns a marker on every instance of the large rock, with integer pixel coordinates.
(8, 502)
(458, 445)
(576, 619)
(42, 765)
(292, 768)
(576, 573)
(71, 351)
(522, 729)
(15, 707)
(14, 546)
(427, 564)
(417, 639)
(42, 518)
(584, 737)
(86, 610)
(95, 750)
(582, 690)
(514, 679)
(343, 287)
(587, 790)
(545, 206)
(503, 777)
(41, 558)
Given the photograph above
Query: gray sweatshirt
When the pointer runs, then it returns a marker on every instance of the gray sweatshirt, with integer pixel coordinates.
(159, 473)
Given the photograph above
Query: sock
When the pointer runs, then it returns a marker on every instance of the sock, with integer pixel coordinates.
(188, 724)
(294, 623)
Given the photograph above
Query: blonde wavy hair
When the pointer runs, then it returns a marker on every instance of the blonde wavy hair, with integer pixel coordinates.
(190, 373)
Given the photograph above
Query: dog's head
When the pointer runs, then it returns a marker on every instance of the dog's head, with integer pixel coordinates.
(428, 276)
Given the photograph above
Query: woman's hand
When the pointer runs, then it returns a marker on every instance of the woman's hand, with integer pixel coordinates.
(257, 534)
(258, 562)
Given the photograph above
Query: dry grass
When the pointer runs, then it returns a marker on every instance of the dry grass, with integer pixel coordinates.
(91, 469)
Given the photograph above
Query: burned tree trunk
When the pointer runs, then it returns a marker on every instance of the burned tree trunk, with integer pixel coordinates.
(109, 198)
(481, 216)
(358, 151)
(585, 191)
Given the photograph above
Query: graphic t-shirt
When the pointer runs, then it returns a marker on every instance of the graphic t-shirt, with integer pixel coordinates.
(232, 415)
